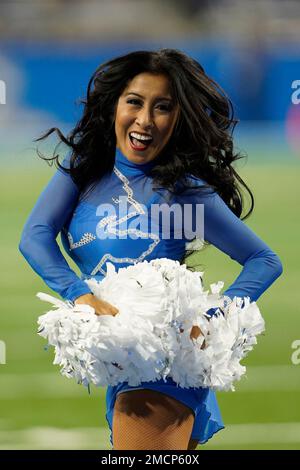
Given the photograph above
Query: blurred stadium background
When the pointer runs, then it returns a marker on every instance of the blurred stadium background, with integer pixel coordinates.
(48, 50)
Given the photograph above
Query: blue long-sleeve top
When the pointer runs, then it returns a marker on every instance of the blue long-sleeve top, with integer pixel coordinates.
(93, 234)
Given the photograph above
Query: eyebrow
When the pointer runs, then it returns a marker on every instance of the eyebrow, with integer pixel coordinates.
(165, 98)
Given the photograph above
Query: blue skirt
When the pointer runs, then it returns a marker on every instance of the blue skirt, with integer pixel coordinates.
(202, 401)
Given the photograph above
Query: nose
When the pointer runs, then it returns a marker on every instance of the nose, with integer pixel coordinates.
(144, 118)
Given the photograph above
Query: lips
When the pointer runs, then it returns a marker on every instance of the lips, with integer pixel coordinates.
(139, 144)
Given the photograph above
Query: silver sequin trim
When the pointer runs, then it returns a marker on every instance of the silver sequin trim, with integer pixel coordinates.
(111, 223)
(85, 239)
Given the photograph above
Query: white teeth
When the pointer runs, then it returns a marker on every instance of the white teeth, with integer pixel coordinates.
(140, 136)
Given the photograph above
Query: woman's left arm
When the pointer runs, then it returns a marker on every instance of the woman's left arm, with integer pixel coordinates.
(223, 229)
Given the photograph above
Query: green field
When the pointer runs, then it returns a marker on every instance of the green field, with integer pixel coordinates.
(40, 409)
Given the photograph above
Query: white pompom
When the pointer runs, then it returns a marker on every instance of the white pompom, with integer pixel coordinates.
(159, 302)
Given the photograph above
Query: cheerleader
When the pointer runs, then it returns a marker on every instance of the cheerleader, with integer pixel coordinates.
(155, 130)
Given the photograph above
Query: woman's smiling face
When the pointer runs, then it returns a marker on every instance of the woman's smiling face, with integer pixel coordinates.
(147, 109)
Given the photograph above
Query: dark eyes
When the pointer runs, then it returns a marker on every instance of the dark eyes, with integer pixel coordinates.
(133, 101)
(163, 107)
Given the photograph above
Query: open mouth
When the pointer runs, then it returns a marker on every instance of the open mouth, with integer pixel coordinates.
(140, 141)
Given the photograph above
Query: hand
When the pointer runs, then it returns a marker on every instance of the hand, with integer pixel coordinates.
(195, 333)
(101, 307)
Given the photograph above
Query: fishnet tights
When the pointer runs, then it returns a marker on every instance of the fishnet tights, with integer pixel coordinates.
(146, 419)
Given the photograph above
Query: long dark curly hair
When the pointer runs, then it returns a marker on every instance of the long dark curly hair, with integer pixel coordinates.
(201, 144)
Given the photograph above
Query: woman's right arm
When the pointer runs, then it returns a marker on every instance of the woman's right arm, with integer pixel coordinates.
(38, 241)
